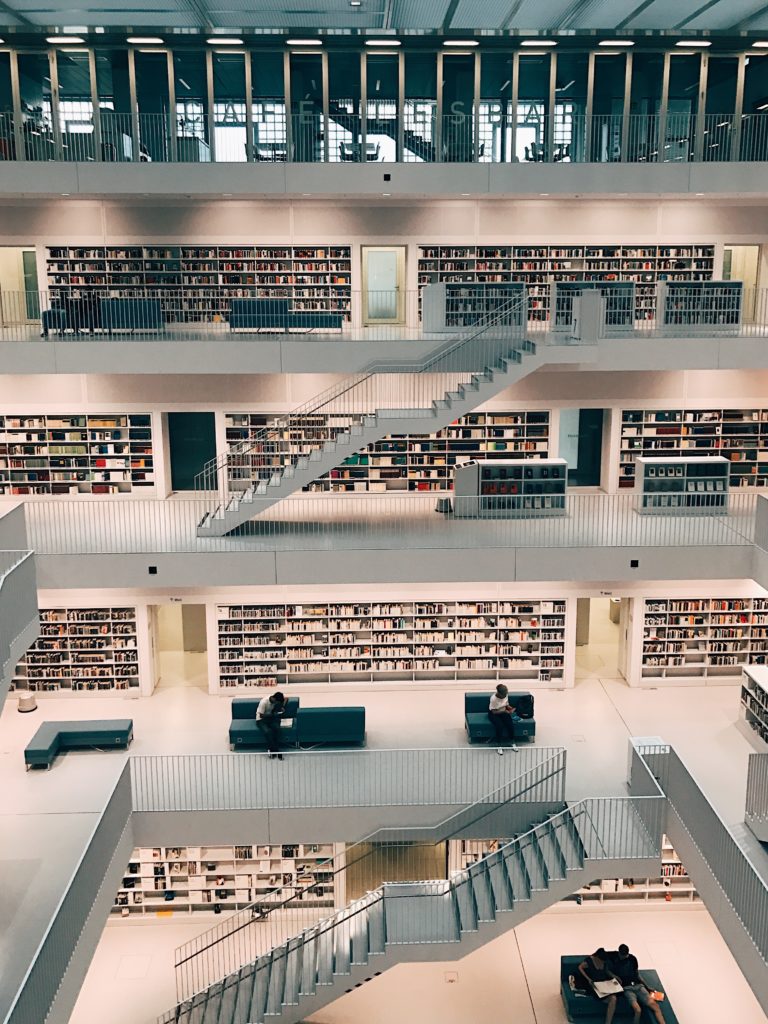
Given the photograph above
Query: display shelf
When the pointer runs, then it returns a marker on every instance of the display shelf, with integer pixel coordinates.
(81, 650)
(196, 879)
(683, 486)
(672, 884)
(71, 453)
(754, 701)
(703, 639)
(271, 645)
(200, 280)
(541, 266)
(740, 435)
(505, 487)
(402, 462)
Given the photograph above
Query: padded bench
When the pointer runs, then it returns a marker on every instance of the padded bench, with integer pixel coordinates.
(243, 731)
(324, 727)
(479, 726)
(132, 315)
(276, 314)
(584, 1006)
(53, 737)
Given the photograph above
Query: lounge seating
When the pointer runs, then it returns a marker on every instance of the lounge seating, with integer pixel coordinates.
(479, 726)
(53, 737)
(276, 315)
(243, 731)
(581, 1005)
(132, 315)
(320, 727)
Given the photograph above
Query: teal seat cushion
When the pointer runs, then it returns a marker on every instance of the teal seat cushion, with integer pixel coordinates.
(52, 737)
(244, 732)
(585, 1006)
(345, 725)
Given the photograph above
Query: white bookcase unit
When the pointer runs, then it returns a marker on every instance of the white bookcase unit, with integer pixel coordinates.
(76, 454)
(83, 650)
(404, 462)
(700, 304)
(754, 701)
(456, 307)
(510, 488)
(197, 282)
(700, 640)
(672, 884)
(518, 641)
(541, 266)
(683, 486)
(198, 879)
(740, 435)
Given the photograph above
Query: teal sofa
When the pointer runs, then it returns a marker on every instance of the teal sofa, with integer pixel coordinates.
(325, 727)
(243, 731)
(54, 737)
(583, 1006)
(478, 725)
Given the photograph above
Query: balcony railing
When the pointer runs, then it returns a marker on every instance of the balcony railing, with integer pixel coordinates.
(415, 137)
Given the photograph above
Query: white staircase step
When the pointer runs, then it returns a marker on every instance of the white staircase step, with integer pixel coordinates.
(246, 978)
(308, 981)
(500, 886)
(342, 954)
(276, 982)
(213, 1003)
(551, 851)
(376, 929)
(534, 863)
(481, 887)
(325, 957)
(292, 984)
(358, 926)
(517, 872)
(260, 990)
(465, 901)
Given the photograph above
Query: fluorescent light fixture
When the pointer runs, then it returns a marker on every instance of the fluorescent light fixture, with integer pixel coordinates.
(63, 40)
(460, 42)
(143, 40)
(355, 3)
(304, 42)
(538, 42)
(693, 42)
(543, 193)
(387, 194)
(761, 44)
(763, 106)
(615, 42)
(224, 41)
(2, 40)
(383, 42)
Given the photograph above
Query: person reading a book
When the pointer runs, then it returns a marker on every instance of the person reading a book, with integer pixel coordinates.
(601, 981)
(268, 715)
(624, 967)
(502, 714)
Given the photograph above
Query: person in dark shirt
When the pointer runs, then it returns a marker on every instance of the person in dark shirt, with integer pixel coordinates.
(624, 967)
(595, 968)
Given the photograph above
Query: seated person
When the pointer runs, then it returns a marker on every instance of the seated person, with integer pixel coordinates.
(593, 969)
(502, 714)
(624, 967)
(268, 715)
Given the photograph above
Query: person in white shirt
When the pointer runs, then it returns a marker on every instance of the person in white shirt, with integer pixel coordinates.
(268, 715)
(502, 714)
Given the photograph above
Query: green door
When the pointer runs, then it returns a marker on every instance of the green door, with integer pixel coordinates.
(192, 440)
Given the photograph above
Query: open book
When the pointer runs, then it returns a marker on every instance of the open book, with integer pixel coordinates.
(608, 988)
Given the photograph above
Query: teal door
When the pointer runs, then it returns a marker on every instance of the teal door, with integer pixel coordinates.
(192, 440)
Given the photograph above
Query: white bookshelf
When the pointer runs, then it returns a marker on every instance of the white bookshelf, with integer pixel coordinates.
(68, 453)
(519, 642)
(672, 884)
(740, 435)
(83, 650)
(702, 640)
(197, 879)
(406, 462)
(510, 488)
(754, 702)
(683, 486)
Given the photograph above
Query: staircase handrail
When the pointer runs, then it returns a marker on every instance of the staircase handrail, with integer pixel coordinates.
(313, 406)
(447, 885)
(548, 768)
(10, 561)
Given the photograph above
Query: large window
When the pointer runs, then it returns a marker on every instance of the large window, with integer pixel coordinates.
(382, 105)
(495, 110)
(420, 107)
(36, 108)
(229, 107)
(190, 79)
(269, 115)
(458, 107)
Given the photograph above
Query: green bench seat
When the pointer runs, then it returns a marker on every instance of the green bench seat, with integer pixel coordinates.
(54, 737)
(587, 1007)
(243, 731)
(326, 727)
(478, 725)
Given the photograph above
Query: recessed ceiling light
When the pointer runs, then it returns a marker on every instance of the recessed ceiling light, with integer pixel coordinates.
(355, 3)
(466, 193)
(143, 40)
(543, 193)
(306, 193)
(304, 42)
(693, 42)
(700, 193)
(383, 42)
(538, 42)
(616, 42)
(224, 41)
(386, 193)
(63, 40)
(227, 195)
(460, 42)
(66, 193)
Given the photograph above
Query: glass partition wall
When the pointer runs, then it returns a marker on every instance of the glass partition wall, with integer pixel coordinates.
(347, 104)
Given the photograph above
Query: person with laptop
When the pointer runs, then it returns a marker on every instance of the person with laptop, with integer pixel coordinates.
(502, 715)
(624, 967)
(268, 716)
(601, 981)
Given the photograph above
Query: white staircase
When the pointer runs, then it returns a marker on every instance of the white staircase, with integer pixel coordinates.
(446, 919)
(384, 399)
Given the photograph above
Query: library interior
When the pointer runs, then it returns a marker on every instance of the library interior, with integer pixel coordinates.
(384, 512)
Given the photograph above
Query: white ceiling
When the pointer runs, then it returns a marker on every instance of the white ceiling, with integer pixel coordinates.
(438, 16)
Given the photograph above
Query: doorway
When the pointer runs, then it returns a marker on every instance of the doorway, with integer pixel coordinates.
(383, 284)
(181, 645)
(192, 442)
(19, 297)
(598, 636)
(742, 263)
(581, 445)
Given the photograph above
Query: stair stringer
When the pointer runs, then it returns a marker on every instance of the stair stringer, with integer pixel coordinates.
(241, 509)
(486, 932)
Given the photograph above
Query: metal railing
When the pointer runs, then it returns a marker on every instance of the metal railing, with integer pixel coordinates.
(729, 863)
(685, 309)
(386, 854)
(373, 521)
(756, 805)
(410, 389)
(493, 135)
(18, 608)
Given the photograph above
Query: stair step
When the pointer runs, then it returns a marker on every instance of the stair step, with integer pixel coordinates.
(377, 936)
(465, 901)
(359, 936)
(570, 842)
(213, 1003)
(246, 978)
(325, 957)
(481, 886)
(500, 886)
(308, 985)
(259, 991)
(228, 999)
(292, 986)
(276, 981)
(197, 1009)
(534, 863)
(551, 851)
(342, 956)
(517, 872)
